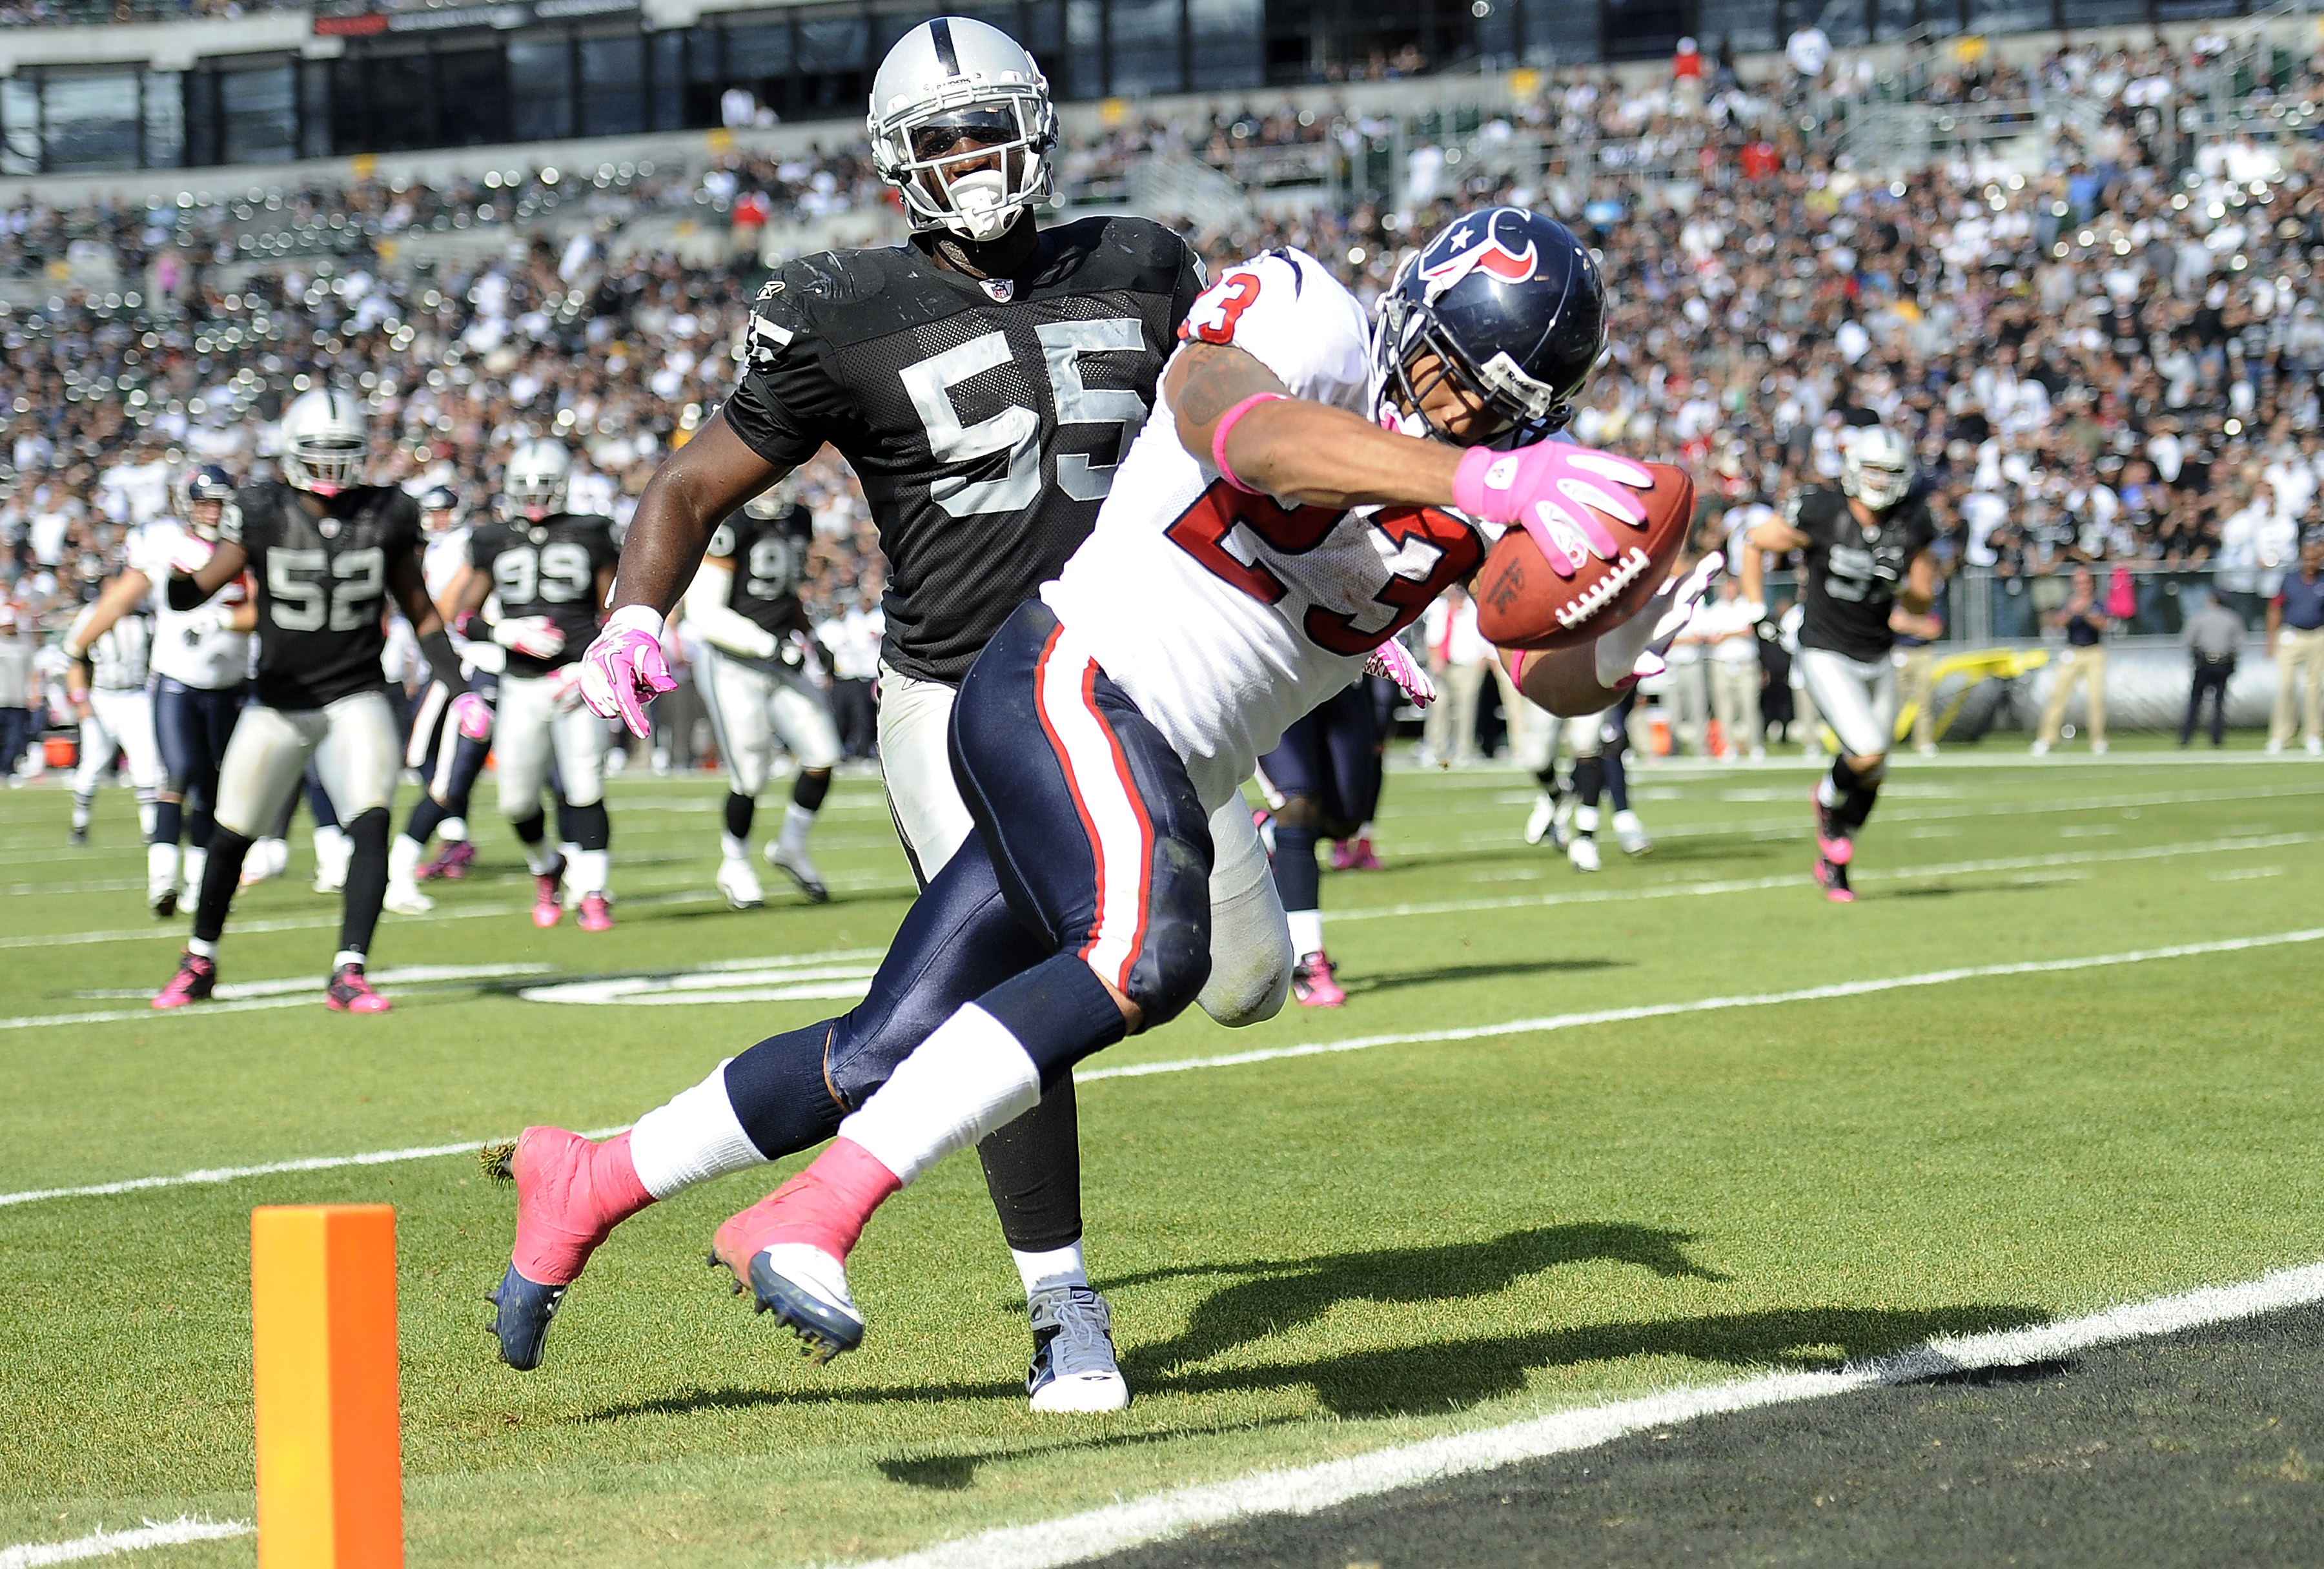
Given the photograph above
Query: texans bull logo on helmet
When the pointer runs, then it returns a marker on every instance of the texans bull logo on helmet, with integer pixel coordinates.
(1464, 250)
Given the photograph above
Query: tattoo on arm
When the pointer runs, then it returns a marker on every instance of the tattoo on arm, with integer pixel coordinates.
(1212, 378)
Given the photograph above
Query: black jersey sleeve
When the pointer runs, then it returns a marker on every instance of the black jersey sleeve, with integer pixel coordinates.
(604, 554)
(788, 404)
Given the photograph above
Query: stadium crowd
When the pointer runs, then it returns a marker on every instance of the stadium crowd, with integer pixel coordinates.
(2110, 361)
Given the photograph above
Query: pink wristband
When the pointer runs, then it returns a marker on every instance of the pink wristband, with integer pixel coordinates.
(1219, 438)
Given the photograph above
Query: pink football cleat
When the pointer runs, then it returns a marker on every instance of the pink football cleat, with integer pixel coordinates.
(349, 992)
(597, 915)
(451, 862)
(1833, 878)
(1832, 841)
(193, 982)
(1355, 856)
(547, 908)
(1312, 985)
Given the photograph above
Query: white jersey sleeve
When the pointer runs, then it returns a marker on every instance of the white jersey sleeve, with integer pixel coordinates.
(1286, 311)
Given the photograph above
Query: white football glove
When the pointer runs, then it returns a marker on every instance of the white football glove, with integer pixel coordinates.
(534, 636)
(1633, 650)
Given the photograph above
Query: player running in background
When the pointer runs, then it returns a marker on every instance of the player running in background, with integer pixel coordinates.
(200, 662)
(106, 689)
(985, 381)
(759, 687)
(1866, 551)
(550, 570)
(446, 759)
(326, 551)
(1107, 722)
(1325, 773)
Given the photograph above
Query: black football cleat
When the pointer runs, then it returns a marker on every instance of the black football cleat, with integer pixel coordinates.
(521, 1322)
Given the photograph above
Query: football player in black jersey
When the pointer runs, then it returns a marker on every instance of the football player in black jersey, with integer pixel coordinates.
(550, 570)
(1866, 546)
(983, 380)
(325, 551)
(758, 686)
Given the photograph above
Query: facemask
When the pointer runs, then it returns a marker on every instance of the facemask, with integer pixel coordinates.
(980, 199)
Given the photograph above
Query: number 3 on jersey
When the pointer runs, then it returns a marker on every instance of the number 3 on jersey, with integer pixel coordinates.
(1212, 317)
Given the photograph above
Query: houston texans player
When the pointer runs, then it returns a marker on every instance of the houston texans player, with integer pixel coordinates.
(984, 380)
(1866, 548)
(200, 661)
(549, 569)
(326, 551)
(759, 687)
(1281, 518)
(1326, 772)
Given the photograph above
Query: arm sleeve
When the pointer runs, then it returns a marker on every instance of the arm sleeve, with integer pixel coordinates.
(184, 593)
(721, 626)
(442, 660)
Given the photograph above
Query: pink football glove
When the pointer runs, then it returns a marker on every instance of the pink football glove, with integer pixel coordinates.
(1633, 650)
(624, 670)
(190, 554)
(533, 635)
(565, 688)
(473, 716)
(1395, 661)
(1556, 490)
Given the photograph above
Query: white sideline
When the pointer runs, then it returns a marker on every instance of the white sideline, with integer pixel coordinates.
(1314, 1048)
(105, 1544)
(1308, 1489)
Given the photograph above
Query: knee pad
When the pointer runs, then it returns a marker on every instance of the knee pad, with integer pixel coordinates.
(1251, 963)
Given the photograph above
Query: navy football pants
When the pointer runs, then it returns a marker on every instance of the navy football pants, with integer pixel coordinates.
(192, 724)
(1091, 848)
(1332, 756)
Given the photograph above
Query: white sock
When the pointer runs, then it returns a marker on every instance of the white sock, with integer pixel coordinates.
(1364, 829)
(734, 849)
(1048, 1270)
(403, 858)
(347, 957)
(198, 861)
(162, 864)
(201, 949)
(591, 870)
(691, 1137)
(965, 1080)
(145, 813)
(798, 821)
(330, 842)
(539, 858)
(1828, 793)
(453, 830)
(1306, 931)
(1585, 819)
(568, 849)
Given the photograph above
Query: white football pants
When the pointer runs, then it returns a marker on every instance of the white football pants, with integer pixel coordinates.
(120, 719)
(355, 747)
(1857, 697)
(1250, 941)
(751, 707)
(531, 724)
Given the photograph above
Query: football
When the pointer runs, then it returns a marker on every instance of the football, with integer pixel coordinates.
(1522, 603)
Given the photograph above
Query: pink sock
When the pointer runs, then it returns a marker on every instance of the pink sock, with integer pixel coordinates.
(572, 1194)
(827, 1205)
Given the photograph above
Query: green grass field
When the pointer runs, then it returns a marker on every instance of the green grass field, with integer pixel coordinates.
(1307, 1257)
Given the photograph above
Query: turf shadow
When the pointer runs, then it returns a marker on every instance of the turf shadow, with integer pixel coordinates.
(1947, 889)
(952, 1472)
(1397, 979)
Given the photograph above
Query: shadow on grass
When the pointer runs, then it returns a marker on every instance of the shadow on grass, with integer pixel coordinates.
(2011, 885)
(1436, 1376)
(1397, 979)
(953, 1472)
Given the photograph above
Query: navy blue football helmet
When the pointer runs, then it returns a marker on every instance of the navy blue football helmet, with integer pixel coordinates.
(1512, 307)
(438, 498)
(208, 483)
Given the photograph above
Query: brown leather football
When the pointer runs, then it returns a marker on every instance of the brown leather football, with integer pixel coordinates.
(1522, 603)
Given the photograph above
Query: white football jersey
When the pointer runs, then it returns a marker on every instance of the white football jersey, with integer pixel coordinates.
(189, 646)
(1226, 616)
(442, 557)
(117, 656)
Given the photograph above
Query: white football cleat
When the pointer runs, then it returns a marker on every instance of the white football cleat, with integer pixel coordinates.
(1631, 834)
(1073, 1367)
(740, 884)
(2039, 748)
(1539, 820)
(333, 850)
(404, 898)
(795, 865)
(1582, 852)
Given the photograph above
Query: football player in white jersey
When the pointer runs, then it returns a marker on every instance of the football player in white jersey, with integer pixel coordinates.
(1265, 538)
(106, 689)
(200, 663)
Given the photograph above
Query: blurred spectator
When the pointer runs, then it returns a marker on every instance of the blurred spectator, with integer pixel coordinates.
(1730, 633)
(2082, 663)
(18, 695)
(853, 637)
(1915, 664)
(2214, 637)
(1457, 653)
(2295, 641)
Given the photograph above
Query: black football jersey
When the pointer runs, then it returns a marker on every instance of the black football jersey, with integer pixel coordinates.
(322, 586)
(984, 419)
(1853, 574)
(548, 569)
(769, 557)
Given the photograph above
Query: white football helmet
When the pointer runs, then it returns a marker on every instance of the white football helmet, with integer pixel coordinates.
(955, 77)
(1876, 469)
(324, 444)
(533, 486)
(777, 501)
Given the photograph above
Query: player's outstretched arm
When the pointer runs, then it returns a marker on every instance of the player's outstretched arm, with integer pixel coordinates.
(122, 594)
(195, 576)
(1300, 451)
(1592, 678)
(696, 486)
(1775, 535)
(408, 587)
(708, 612)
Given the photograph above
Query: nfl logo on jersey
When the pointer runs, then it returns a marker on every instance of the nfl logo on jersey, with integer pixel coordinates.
(1002, 290)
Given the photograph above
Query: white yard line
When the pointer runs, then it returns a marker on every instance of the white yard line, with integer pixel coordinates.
(260, 996)
(1551, 1023)
(105, 1544)
(1307, 1490)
